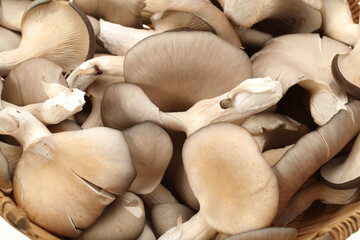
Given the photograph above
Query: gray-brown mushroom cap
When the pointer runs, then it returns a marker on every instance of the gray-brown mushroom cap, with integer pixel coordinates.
(173, 67)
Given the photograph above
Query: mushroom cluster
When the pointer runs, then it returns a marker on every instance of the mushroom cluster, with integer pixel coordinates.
(179, 120)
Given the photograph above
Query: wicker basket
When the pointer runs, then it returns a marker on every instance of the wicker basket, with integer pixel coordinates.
(322, 222)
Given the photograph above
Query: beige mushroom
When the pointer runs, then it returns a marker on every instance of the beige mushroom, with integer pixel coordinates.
(124, 105)
(9, 40)
(147, 233)
(51, 166)
(230, 202)
(9, 157)
(151, 161)
(123, 219)
(291, 60)
(303, 199)
(166, 215)
(158, 196)
(315, 149)
(66, 36)
(124, 12)
(11, 13)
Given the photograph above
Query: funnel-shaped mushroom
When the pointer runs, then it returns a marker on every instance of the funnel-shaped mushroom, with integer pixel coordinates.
(235, 186)
(304, 59)
(343, 172)
(125, 104)
(166, 66)
(123, 219)
(52, 29)
(151, 161)
(315, 149)
(89, 165)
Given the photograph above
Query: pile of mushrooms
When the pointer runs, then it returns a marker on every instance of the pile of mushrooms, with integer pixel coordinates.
(179, 120)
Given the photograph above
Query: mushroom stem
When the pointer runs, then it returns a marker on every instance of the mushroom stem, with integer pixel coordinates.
(197, 228)
(88, 71)
(315, 149)
(94, 118)
(21, 125)
(8, 59)
(159, 195)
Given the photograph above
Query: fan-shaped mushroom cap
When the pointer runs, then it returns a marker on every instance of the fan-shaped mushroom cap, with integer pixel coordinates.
(235, 186)
(343, 172)
(11, 13)
(25, 83)
(290, 59)
(166, 66)
(124, 12)
(151, 161)
(123, 219)
(53, 167)
(9, 40)
(272, 233)
(56, 30)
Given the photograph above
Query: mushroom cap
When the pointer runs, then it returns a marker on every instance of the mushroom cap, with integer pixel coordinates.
(72, 176)
(11, 13)
(343, 172)
(271, 233)
(166, 66)
(165, 216)
(151, 161)
(304, 59)
(61, 31)
(9, 40)
(123, 219)
(25, 83)
(236, 188)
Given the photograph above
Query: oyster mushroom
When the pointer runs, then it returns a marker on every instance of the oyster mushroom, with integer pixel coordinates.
(69, 38)
(273, 130)
(147, 233)
(123, 12)
(177, 78)
(150, 162)
(345, 72)
(293, 16)
(342, 172)
(316, 147)
(286, 58)
(9, 40)
(158, 196)
(11, 13)
(125, 104)
(229, 203)
(303, 199)
(166, 215)
(53, 166)
(123, 219)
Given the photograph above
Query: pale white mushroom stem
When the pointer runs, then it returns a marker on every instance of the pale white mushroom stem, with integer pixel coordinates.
(118, 39)
(94, 118)
(197, 228)
(8, 59)
(21, 125)
(249, 97)
(88, 71)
